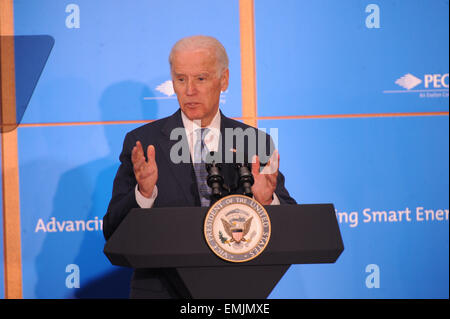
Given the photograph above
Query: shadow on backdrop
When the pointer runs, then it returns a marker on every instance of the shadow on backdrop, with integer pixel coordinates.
(28, 54)
(83, 193)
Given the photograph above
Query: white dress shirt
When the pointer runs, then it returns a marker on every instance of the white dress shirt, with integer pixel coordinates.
(211, 140)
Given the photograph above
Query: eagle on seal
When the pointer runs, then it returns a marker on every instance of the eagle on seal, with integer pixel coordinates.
(237, 230)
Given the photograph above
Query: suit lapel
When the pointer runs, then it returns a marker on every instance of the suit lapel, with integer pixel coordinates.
(228, 169)
(183, 173)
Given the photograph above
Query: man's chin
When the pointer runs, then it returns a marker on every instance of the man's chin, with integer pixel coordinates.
(197, 115)
(193, 114)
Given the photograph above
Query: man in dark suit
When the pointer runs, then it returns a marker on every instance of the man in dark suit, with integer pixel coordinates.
(161, 177)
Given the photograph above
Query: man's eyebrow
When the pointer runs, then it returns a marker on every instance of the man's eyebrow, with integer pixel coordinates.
(202, 74)
(199, 74)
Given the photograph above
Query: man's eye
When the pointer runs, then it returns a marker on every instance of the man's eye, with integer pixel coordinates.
(180, 80)
(201, 78)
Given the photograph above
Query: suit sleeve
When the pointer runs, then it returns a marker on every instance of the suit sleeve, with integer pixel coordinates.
(281, 191)
(123, 197)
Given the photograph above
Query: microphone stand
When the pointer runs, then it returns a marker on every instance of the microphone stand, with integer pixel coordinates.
(246, 179)
(215, 179)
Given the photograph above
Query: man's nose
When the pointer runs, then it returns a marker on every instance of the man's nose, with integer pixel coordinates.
(190, 88)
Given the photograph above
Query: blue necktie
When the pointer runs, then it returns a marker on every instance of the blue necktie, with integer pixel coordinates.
(200, 151)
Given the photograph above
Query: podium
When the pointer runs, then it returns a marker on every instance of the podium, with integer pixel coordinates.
(173, 237)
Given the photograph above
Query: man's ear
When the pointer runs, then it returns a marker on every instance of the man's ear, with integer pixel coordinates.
(224, 80)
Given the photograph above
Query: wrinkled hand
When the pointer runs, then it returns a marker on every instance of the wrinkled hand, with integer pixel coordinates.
(146, 172)
(266, 180)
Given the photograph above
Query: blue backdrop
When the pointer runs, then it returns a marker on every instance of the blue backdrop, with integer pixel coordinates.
(387, 175)
(345, 57)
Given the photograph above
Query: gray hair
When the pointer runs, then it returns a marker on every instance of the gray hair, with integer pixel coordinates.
(202, 42)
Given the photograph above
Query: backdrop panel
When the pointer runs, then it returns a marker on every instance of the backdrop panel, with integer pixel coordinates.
(66, 176)
(331, 57)
(388, 179)
(109, 63)
(387, 176)
(118, 49)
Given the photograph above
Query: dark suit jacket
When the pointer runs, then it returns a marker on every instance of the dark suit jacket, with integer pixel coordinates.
(177, 187)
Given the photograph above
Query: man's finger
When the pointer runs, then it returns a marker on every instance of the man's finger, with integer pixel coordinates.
(151, 155)
(137, 151)
(276, 159)
(134, 155)
(139, 148)
(255, 165)
(273, 164)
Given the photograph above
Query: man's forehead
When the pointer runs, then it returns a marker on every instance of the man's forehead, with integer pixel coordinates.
(197, 56)
(193, 62)
(195, 50)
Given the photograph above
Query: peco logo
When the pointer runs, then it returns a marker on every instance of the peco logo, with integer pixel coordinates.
(436, 80)
(429, 85)
(408, 81)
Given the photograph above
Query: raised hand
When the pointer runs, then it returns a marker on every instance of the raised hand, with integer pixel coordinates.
(146, 172)
(266, 180)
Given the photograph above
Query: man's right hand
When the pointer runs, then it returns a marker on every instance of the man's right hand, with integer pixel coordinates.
(146, 172)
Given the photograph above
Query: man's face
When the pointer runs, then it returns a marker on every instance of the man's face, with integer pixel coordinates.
(197, 84)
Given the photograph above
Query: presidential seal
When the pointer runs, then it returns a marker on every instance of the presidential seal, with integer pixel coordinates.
(237, 228)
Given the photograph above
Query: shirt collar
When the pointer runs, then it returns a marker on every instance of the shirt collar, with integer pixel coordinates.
(190, 126)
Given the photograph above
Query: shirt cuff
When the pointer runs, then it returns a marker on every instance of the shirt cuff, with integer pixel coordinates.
(145, 202)
(275, 200)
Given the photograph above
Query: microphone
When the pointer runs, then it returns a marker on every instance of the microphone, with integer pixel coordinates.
(245, 176)
(246, 179)
(215, 179)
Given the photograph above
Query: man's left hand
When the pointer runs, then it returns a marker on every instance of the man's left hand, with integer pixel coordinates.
(266, 180)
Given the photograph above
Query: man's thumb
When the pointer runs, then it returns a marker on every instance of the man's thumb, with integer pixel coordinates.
(255, 165)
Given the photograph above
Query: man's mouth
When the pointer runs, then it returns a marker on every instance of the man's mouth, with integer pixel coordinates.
(191, 104)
